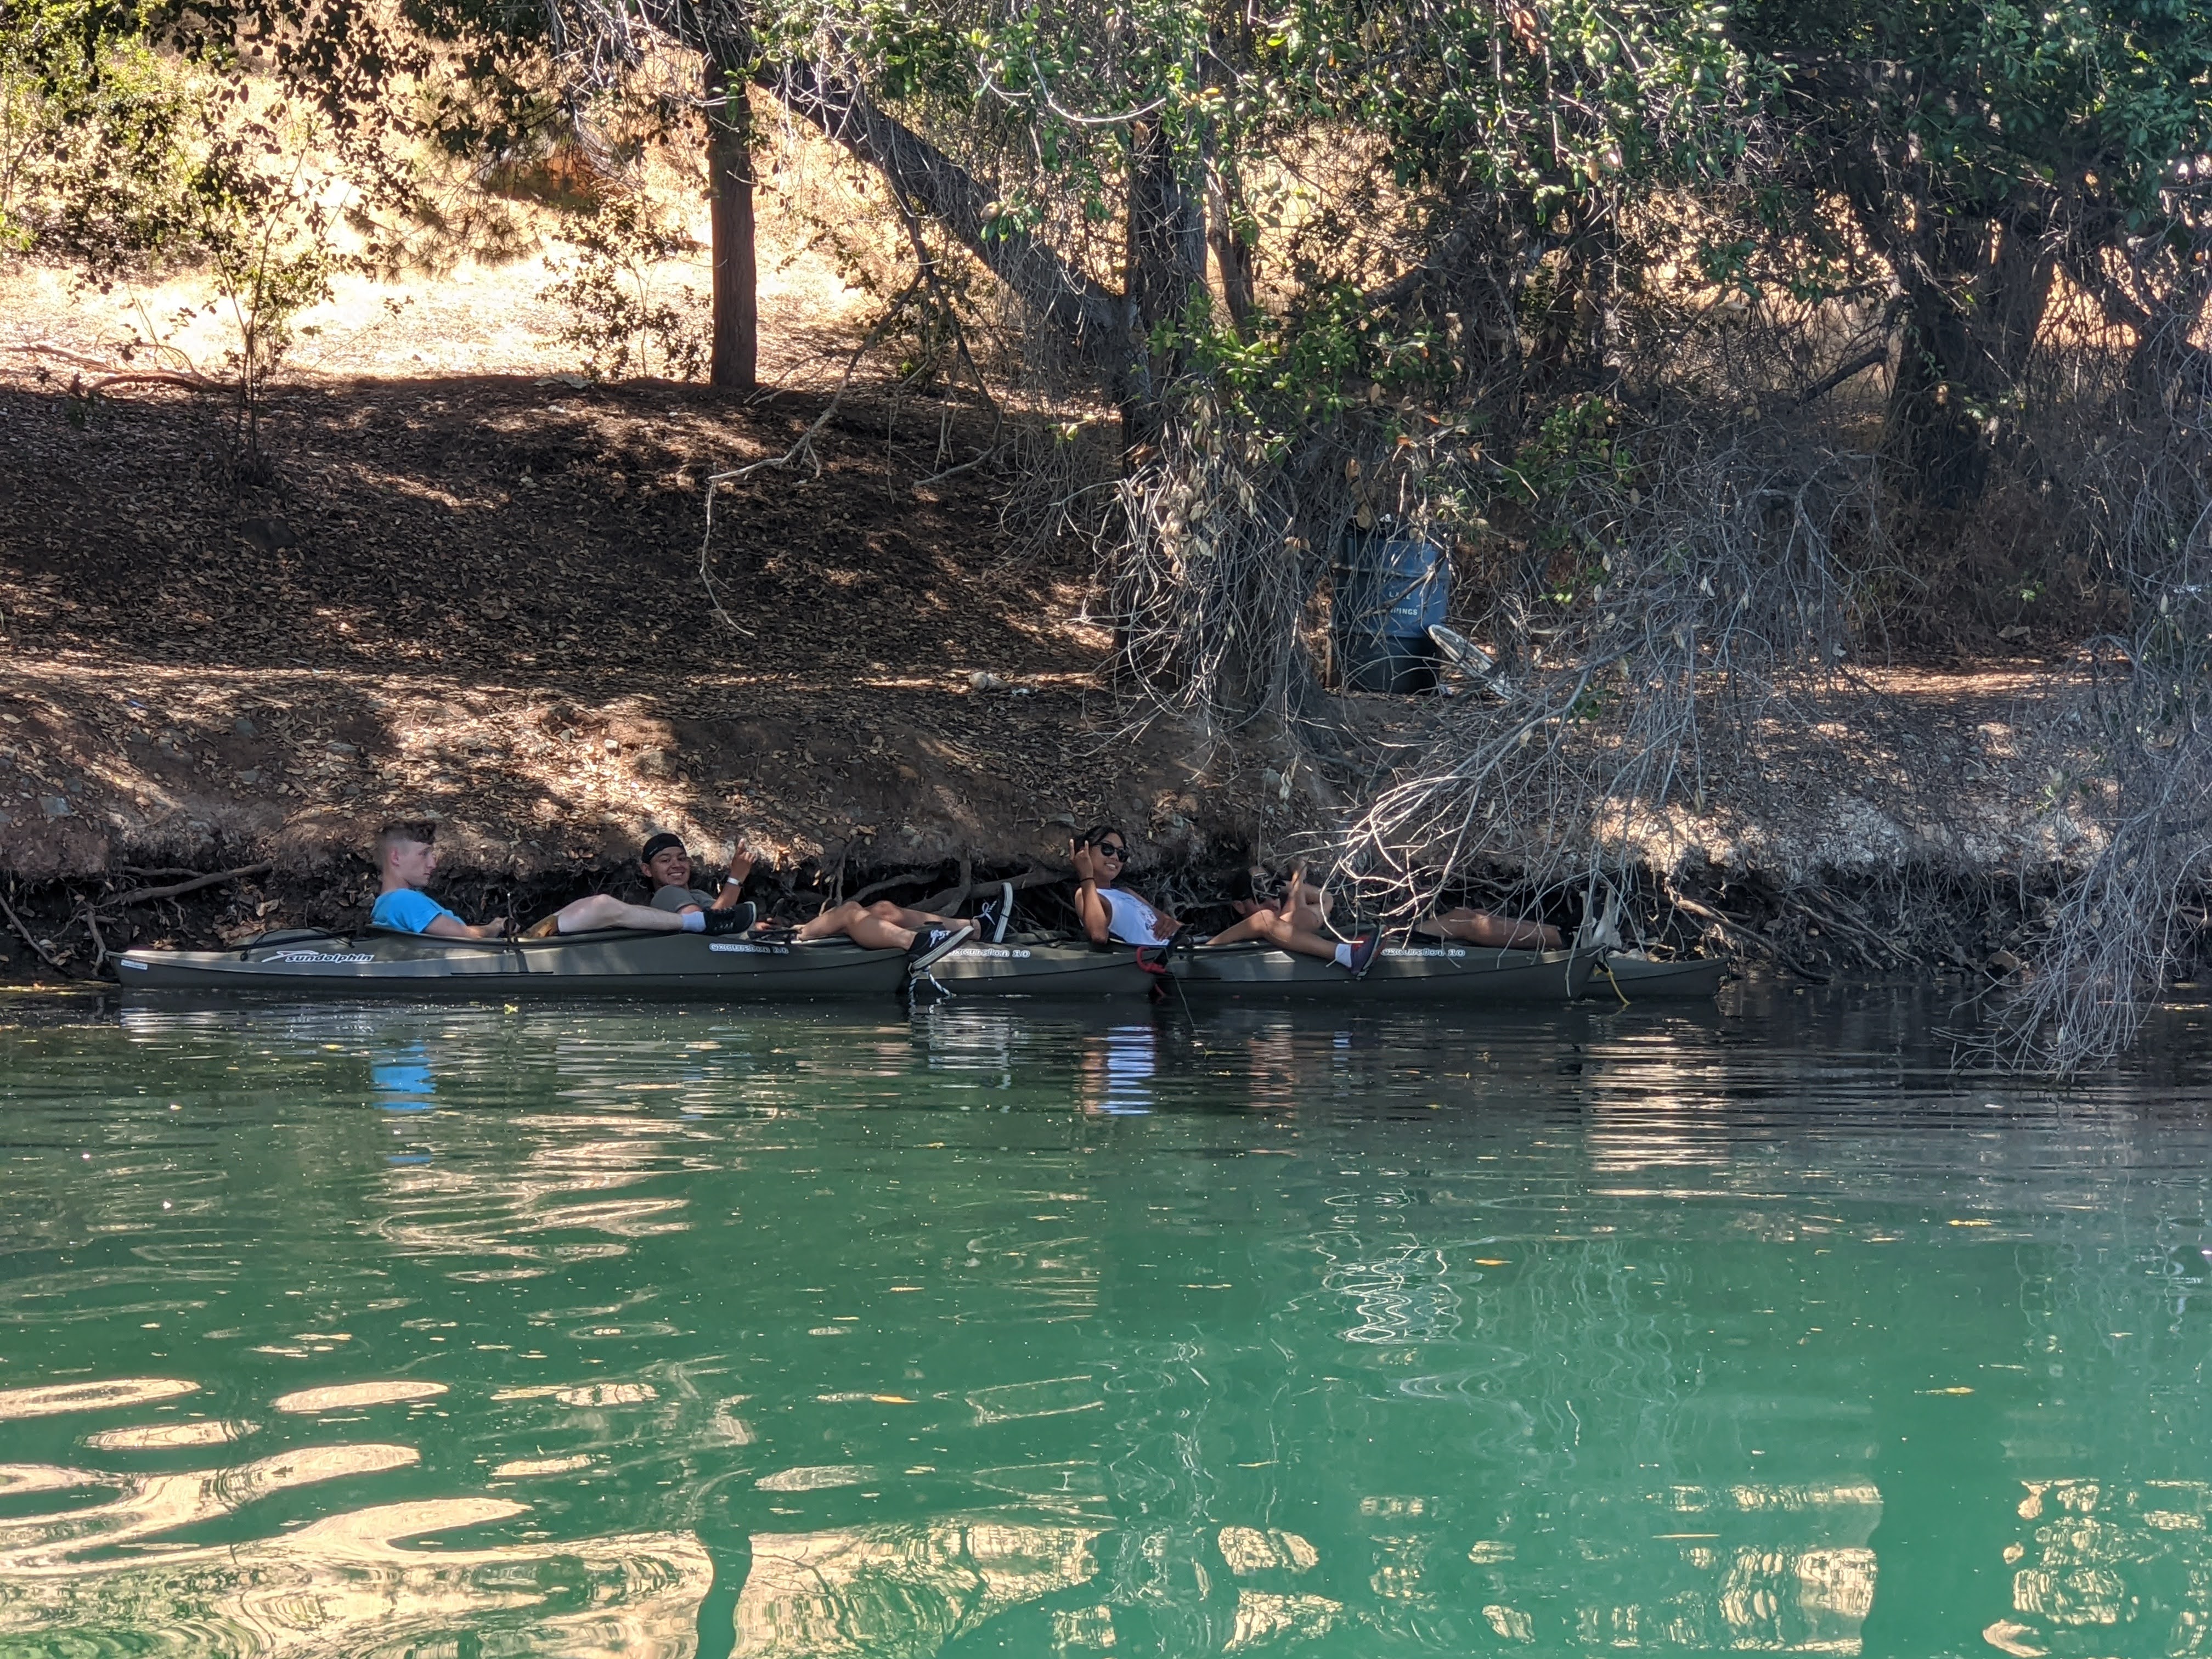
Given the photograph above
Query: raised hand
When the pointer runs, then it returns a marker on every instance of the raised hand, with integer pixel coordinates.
(742, 860)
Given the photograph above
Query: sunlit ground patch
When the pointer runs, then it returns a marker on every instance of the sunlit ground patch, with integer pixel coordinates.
(51, 1400)
(340, 1395)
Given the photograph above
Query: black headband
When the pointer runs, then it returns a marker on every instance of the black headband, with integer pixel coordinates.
(659, 844)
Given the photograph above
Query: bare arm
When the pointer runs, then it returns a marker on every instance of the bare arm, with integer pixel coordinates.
(741, 865)
(1096, 918)
(447, 927)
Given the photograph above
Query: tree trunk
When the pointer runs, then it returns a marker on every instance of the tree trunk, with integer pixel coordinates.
(736, 359)
(1233, 258)
(1975, 295)
(1166, 266)
(1932, 436)
(1085, 319)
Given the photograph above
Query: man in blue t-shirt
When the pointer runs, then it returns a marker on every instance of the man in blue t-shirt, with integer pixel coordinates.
(407, 856)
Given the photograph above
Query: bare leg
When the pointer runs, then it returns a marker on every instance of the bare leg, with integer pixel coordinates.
(604, 910)
(1306, 910)
(882, 926)
(914, 920)
(1259, 925)
(1278, 930)
(1501, 933)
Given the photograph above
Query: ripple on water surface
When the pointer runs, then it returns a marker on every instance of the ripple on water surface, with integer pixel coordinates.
(346, 1330)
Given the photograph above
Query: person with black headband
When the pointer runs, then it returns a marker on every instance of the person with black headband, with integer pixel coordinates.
(407, 857)
(1110, 912)
(879, 927)
(667, 865)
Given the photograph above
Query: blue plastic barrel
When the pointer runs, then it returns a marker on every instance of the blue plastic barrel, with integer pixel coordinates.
(1391, 587)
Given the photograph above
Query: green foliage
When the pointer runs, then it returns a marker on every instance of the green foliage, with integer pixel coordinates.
(1946, 130)
(263, 220)
(1283, 377)
(94, 135)
(1504, 144)
(1547, 103)
(1986, 103)
(116, 156)
(619, 319)
(1575, 446)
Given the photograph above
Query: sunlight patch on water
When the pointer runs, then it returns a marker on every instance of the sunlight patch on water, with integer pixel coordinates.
(343, 1395)
(819, 1477)
(344, 1586)
(52, 1399)
(905, 1588)
(169, 1436)
(147, 1505)
(1054, 1396)
(521, 1466)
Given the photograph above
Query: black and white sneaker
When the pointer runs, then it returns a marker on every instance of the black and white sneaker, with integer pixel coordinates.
(737, 919)
(993, 917)
(933, 944)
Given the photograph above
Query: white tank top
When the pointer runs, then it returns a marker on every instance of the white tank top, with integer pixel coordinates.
(1130, 919)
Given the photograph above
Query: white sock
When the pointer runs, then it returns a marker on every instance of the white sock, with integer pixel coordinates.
(1344, 956)
(694, 921)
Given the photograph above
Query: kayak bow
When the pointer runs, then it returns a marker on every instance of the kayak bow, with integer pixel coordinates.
(615, 962)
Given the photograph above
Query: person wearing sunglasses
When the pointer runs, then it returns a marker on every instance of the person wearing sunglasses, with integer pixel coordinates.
(1112, 914)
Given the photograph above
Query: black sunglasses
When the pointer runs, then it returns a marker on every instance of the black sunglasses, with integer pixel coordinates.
(1112, 849)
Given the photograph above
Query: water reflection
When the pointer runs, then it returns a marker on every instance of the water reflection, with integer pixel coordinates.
(1036, 1332)
(403, 1081)
(146, 1505)
(350, 1585)
(898, 1590)
(55, 1399)
(1117, 1070)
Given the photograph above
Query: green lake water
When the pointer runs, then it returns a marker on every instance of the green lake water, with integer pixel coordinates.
(477, 1332)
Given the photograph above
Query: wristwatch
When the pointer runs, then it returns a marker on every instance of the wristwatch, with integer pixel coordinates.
(733, 881)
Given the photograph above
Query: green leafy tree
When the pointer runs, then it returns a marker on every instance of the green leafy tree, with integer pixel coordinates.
(1980, 151)
(619, 320)
(94, 134)
(263, 219)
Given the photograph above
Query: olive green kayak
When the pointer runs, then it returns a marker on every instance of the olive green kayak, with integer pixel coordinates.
(1041, 966)
(1468, 974)
(1635, 976)
(374, 962)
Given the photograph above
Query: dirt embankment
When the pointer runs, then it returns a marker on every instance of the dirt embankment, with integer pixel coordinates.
(480, 600)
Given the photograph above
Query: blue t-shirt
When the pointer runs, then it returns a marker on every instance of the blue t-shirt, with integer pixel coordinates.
(408, 912)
